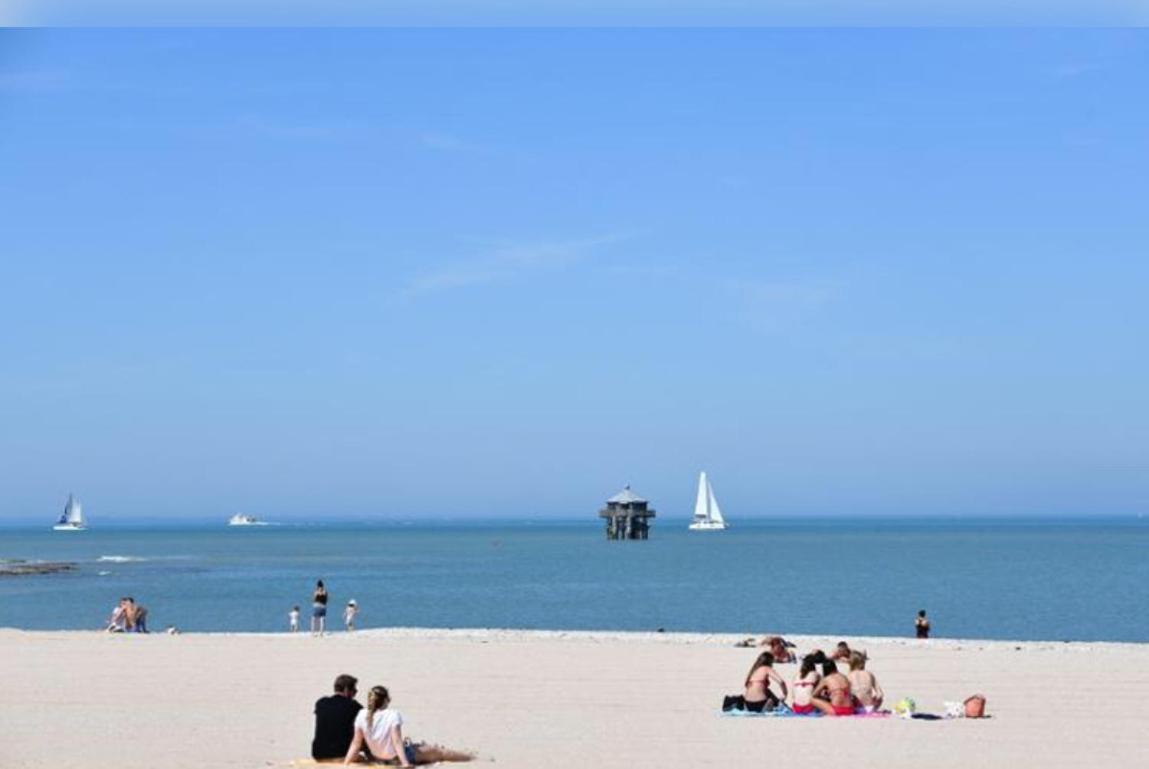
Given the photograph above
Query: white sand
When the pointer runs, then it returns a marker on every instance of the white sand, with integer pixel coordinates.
(523, 699)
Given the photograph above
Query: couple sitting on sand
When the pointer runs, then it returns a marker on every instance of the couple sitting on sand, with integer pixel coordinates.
(128, 617)
(830, 692)
(345, 730)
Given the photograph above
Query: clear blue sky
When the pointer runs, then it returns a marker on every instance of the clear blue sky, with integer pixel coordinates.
(426, 273)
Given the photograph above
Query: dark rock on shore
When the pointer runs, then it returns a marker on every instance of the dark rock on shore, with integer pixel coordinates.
(15, 568)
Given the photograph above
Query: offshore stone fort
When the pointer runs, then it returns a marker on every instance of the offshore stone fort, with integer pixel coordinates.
(627, 516)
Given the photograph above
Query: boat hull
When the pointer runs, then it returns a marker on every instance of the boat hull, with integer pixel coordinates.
(708, 526)
(68, 527)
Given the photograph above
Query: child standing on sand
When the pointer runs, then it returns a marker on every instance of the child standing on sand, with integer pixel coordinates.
(293, 619)
(349, 615)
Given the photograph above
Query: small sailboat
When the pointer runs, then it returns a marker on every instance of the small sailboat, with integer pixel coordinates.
(707, 516)
(241, 519)
(72, 519)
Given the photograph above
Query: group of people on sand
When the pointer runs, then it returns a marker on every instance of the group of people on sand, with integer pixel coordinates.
(128, 617)
(819, 686)
(347, 731)
(319, 599)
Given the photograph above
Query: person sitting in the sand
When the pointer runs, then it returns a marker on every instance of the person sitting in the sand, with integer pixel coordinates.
(757, 694)
(832, 694)
(137, 616)
(119, 620)
(804, 685)
(379, 730)
(868, 695)
(841, 652)
(335, 720)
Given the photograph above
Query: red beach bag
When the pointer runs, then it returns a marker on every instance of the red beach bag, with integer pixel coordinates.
(975, 706)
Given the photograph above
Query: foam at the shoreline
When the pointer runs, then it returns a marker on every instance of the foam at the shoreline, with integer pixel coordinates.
(513, 635)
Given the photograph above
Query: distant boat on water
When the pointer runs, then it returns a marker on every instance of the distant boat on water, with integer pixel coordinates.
(72, 519)
(241, 519)
(707, 515)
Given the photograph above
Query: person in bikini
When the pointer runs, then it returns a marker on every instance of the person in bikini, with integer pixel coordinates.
(757, 694)
(868, 695)
(832, 694)
(805, 684)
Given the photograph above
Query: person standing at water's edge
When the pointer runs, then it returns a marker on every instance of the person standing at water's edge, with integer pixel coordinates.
(922, 625)
(335, 720)
(293, 620)
(319, 609)
(349, 615)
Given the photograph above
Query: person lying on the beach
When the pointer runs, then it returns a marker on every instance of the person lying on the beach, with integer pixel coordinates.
(379, 730)
(757, 694)
(804, 685)
(868, 695)
(841, 652)
(832, 694)
(779, 648)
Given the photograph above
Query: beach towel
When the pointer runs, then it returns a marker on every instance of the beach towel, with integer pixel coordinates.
(779, 713)
(787, 713)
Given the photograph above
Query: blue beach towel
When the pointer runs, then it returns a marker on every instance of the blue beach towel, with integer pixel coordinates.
(782, 712)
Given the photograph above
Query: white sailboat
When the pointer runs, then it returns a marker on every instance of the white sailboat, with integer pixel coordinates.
(707, 515)
(240, 519)
(72, 518)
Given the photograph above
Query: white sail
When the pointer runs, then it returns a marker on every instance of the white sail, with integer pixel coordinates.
(715, 513)
(702, 502)
(73, 512)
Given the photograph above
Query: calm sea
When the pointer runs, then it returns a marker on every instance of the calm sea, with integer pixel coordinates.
(1010, 580)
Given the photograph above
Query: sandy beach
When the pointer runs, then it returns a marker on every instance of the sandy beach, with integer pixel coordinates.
(525, 699)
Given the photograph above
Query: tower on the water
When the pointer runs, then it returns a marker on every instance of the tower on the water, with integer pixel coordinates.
(627, 516)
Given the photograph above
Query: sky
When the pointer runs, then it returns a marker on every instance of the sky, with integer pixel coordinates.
(584, 13)
(415, 274)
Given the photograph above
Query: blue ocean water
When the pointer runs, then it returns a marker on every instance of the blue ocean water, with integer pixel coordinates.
(1049, 580)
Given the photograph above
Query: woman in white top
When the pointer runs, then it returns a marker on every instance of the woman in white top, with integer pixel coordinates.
(379, 729)
(805, 684)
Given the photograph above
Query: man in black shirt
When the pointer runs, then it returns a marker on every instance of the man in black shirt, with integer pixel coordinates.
(335, 720)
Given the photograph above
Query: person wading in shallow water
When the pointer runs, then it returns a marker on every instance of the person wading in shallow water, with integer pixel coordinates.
(922, 625)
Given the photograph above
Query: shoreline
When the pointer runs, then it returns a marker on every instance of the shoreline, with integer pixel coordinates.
(803, 641)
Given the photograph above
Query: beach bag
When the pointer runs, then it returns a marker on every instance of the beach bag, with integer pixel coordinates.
(975, 706)
(733, 702)
(905, 708)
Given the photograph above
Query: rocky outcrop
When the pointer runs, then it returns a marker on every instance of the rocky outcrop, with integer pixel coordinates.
(17, 568)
